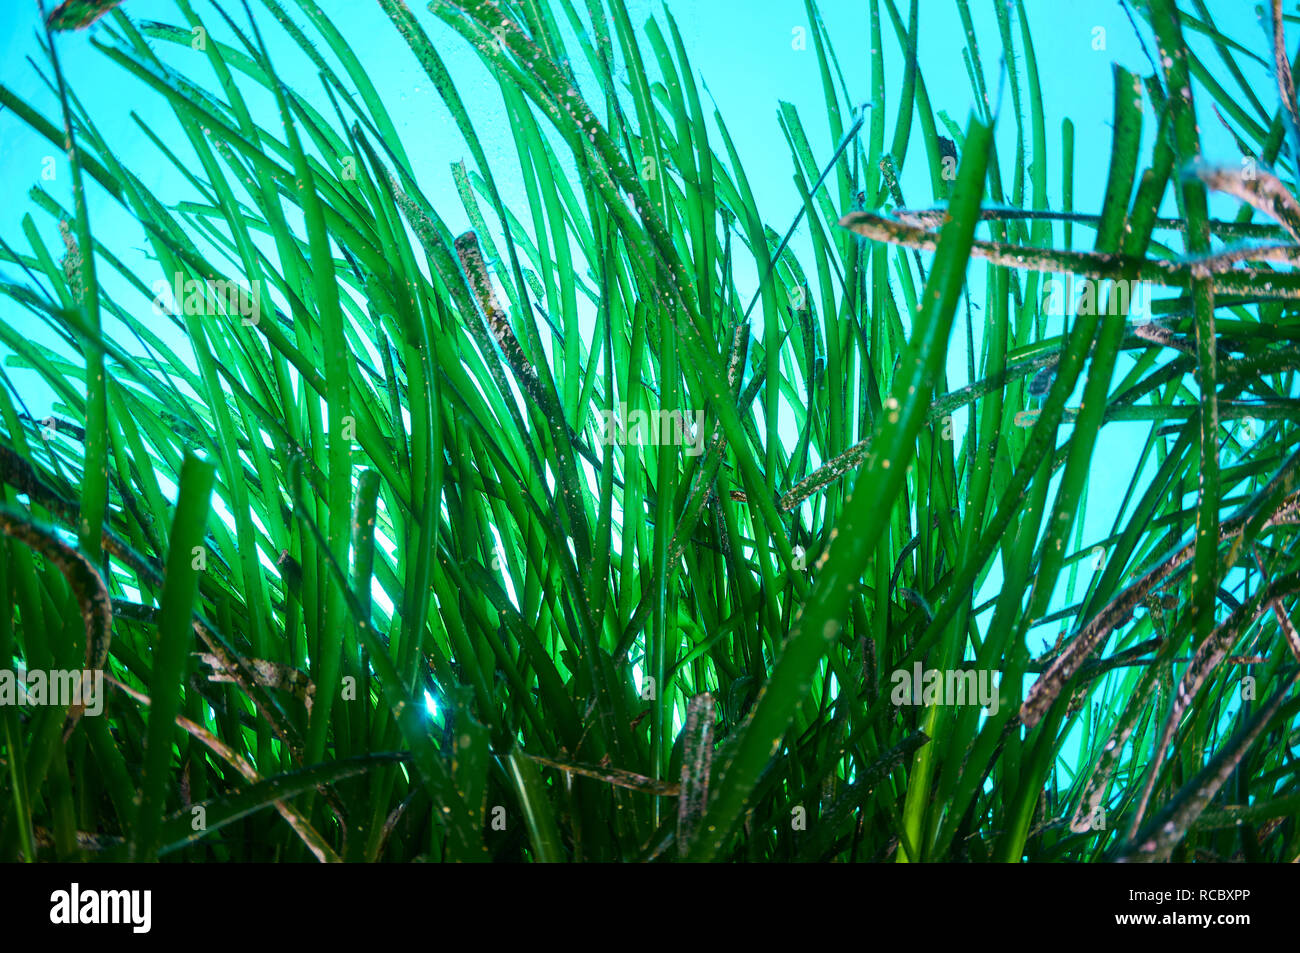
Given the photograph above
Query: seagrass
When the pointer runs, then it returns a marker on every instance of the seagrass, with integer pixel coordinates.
(369, 583)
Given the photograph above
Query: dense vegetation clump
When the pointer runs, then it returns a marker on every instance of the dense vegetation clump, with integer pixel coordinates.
(615, 522)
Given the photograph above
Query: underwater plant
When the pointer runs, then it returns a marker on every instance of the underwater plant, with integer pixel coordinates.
(622, 525)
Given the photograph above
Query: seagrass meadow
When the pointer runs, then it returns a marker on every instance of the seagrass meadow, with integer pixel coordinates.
(529, 483)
